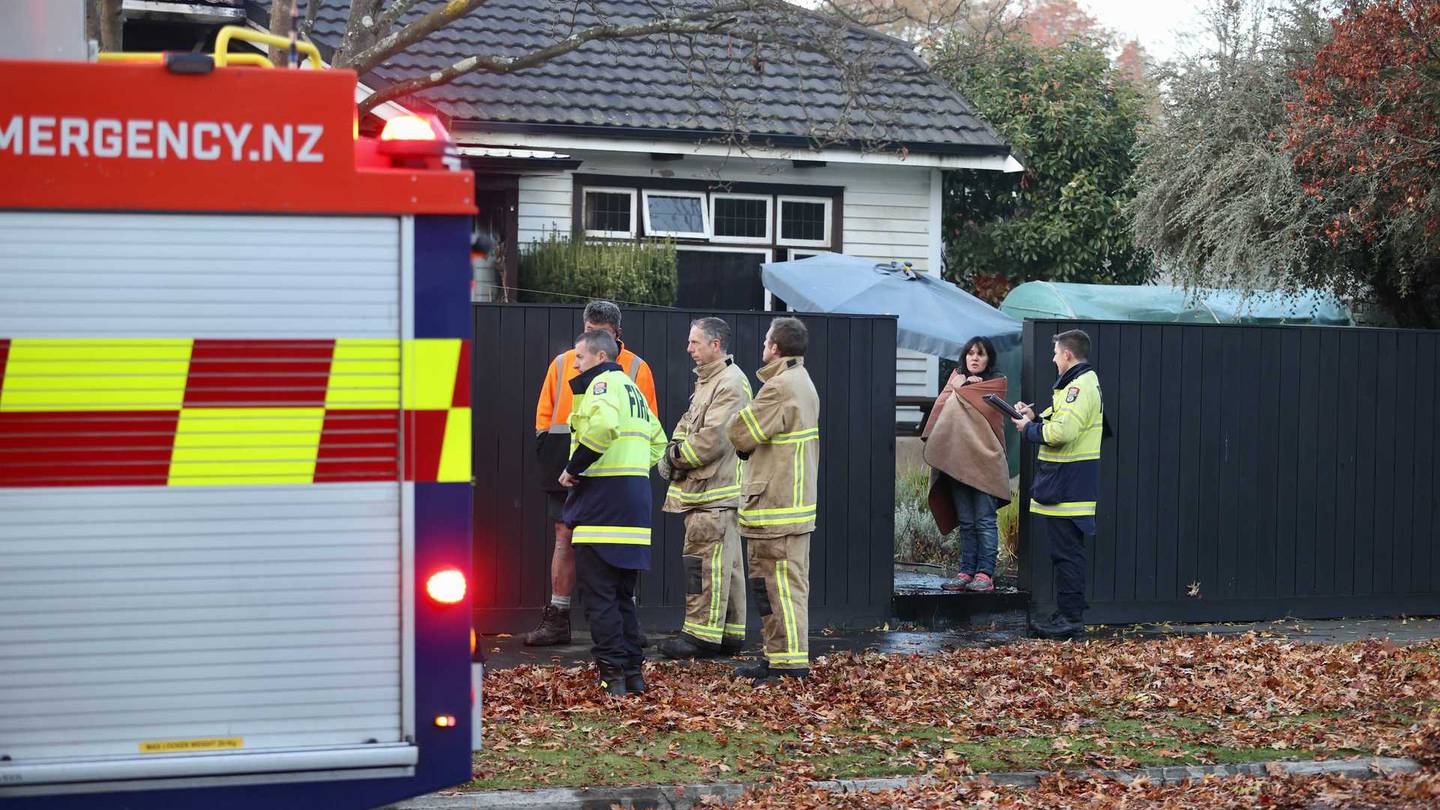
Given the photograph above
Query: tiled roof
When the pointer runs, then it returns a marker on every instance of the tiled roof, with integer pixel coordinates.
(683, 88)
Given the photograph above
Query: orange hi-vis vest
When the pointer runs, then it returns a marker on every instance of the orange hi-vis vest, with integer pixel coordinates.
(552, 412)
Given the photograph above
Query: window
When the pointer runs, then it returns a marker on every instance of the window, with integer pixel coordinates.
(610, 213)
(679, 214)
(804, 221)
(741, 217)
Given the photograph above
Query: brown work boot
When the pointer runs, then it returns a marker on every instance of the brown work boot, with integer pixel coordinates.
(554, 628)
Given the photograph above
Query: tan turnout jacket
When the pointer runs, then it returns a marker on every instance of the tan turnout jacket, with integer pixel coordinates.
(780, 431)
(700, 445)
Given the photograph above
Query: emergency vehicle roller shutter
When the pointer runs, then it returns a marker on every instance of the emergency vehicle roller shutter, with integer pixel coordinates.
(201, 485)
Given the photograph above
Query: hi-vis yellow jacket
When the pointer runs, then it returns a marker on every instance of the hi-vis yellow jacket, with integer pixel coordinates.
(702, 448)
(1067, 477)
(780, 432)
(614, 441)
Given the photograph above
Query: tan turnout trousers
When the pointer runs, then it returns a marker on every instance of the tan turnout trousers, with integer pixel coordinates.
(780, 585)
(714, 578)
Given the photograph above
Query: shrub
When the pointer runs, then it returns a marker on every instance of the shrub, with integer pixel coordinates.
(917, 539)
(557, 269)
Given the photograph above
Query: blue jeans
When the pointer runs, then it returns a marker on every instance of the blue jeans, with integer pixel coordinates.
(979, 537)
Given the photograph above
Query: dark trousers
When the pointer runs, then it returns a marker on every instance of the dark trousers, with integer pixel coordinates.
(608, 594)
(1067, 552)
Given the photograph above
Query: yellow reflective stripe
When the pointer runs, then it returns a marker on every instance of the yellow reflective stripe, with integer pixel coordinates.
(787, 609)
(635, 434)
(779, 521)
(702, 497)
(689, 452)
(715, 572)
(365, 374)
(622, 535)
(1063, 456)
(798, 474)
(83, 374)
(592, 444)
(429, 370)
(753, 425)
(238, 446)
(455, 452)
(702, 631)
(734, 629)
(784, 510)
(1066, 509)
(788, 657)
(596, 471)
(797, 436)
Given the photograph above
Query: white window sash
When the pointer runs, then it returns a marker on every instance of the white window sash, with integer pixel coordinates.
(744, 240)
(780, 222)
(585, 192)
(696, 195)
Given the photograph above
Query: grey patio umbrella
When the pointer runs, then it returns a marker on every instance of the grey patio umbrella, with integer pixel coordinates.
(935, 317)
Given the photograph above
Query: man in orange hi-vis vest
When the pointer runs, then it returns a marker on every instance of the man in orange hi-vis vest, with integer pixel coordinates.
(552, 437)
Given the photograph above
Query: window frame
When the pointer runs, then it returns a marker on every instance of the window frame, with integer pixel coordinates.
(780, 240)
(770, 209)
(645, 194)
(633, 233)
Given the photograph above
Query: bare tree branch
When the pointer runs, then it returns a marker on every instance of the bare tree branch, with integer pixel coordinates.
(711, 20)
(391, 14)
(357, 31)
(312, 10)
(110, 17)
(281, 12)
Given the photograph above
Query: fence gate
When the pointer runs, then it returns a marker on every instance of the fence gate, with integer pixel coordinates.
(851, 359)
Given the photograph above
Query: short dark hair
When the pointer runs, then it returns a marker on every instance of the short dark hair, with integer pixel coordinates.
(714, 329)
(790, 336)
(602, 313)
(985, 345)
(1076, 341)
(598, 340)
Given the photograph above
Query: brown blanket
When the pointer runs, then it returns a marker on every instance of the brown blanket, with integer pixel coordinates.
(965, 442)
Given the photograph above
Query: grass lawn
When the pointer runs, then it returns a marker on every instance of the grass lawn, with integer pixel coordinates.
(1030, 706)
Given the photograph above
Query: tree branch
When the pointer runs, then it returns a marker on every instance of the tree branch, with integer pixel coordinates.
(312, 10)
(711, 20)
(357, 31)
(280, 15)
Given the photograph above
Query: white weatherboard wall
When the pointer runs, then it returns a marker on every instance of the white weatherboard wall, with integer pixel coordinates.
(891, 213)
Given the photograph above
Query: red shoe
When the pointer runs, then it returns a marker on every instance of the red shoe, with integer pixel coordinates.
(981, 584)
(960, 583)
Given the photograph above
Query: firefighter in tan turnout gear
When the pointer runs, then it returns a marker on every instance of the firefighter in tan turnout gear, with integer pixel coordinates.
(778, 438)
(705, 487)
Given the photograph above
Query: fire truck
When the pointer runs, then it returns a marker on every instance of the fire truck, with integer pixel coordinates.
(235, 490)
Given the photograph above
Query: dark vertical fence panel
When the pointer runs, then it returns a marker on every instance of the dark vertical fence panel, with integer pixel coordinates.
(1254, 472)
(852, 360)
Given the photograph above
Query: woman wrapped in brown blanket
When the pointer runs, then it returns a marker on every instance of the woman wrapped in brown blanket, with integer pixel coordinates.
(969, 476)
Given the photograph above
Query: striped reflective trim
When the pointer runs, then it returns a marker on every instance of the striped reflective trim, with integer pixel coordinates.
(559, 381)
(597, 471)
(797, 476)
(702, 497)
(787, 605)
(688, 452)
(797, 436)
(1066, 509)
(788, 657)
(777, 521)
(222, 412)
(635, 434)
(734, 629)
(747, 415)
(634, 367)
(703, 631)
(592, 444)
(560, 427)
(716, 574)
(620, 535)
(1063, 456)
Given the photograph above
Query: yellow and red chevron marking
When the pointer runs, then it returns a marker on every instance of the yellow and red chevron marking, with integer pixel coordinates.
(183, 412)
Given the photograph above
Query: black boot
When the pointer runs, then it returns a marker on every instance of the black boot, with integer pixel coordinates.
(1034, 624)
(755, 670)
(612, 678)
(1063, 628)
(731, 646)
(683, 646)
(635, 682)
(554, 628)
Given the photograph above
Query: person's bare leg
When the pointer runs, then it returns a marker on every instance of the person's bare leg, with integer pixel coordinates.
(562, 563)
(555, 620)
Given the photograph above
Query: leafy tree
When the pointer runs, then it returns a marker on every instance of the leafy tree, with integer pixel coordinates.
(1072, 117)
(1364, 136)
(1253, 176)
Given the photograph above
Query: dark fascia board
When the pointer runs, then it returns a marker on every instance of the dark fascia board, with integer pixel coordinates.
(692, 136)
(507, 165)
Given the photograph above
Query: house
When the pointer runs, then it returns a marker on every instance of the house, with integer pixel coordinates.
(741, 153)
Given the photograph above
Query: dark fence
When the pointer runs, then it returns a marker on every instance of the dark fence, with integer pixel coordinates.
(1255, 472)
(852, 360)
